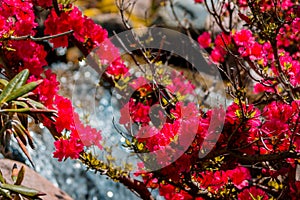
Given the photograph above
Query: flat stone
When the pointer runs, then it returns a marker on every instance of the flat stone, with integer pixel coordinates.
(33, 180)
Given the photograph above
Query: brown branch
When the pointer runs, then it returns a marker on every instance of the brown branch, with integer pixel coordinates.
(137, 187)
(30, 37)
(251, 158)
(265, 157)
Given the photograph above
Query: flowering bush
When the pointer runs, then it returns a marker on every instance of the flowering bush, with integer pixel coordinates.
(257, 51)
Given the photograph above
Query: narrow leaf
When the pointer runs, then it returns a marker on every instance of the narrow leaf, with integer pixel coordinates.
(2, 179)
(20, 103)
(24, 120)
(20, 176)
(23, 147)
(27, 110)
(23, 90)
(35, 104)
(29, 138)
(5, 194)
(14, 173)
(3, 82)
(19, 133)
(26, 191)
(19, 80)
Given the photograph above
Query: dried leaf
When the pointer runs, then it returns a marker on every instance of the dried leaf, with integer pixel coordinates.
(14, 173)
(19, 133)
(20, 176)
(23, 147)
(26, 132)
(24, 120)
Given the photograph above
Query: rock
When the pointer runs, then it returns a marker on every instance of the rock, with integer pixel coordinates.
(187, 12)
(33, 180)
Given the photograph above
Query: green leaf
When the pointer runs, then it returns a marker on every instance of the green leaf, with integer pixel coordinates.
(26, 191)
(3, 82)
(23, 90)
(17, 110)
(20, 103)
(5, 194)
(2, 179)
(19, 80)
(28, 110)
(35, 104)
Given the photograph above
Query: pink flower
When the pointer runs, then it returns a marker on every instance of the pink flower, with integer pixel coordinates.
(204, 40)
(89, 136)
(179, 85)
(217, 55)
(138, 82)
(259, 87)
(242, 37)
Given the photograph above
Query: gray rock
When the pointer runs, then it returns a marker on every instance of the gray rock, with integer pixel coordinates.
(33, 180)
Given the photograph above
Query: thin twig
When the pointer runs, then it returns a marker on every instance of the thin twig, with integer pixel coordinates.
(30, 37)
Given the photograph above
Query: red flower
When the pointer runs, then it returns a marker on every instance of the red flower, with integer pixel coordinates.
(65, 113)
(169, 192)
(217, 55)
(239, 176)
(48, 89)
(213, 181)
(117, 69)
(85, 30)
(55, 25)
(67, 148)
(253, 193)
(222, 40)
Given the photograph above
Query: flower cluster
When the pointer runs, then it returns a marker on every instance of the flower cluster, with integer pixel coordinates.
(256, 154)
(18, 20)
